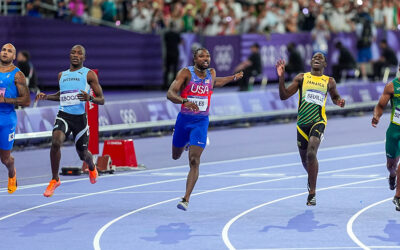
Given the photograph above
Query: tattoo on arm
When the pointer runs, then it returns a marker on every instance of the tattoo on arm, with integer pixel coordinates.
(23, 98)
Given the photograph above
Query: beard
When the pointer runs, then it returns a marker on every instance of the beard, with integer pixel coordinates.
(6, 61)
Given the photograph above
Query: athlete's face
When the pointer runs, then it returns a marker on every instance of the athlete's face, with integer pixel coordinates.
(7, 54)
(77, 56)
(318, 61)
(202, 59)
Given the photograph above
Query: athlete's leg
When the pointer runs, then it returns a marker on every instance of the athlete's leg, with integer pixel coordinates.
(177, 152)
(194, 162)
(398, 178)
(8, 161)
(55, 152)
(303, 156)
(312, 162)
(87, 157)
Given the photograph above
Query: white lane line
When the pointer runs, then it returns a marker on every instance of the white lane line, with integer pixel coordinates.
(96, 240)
(354, 217)
(320, 248)
(225, 230)
(168, 181)
(205, 164)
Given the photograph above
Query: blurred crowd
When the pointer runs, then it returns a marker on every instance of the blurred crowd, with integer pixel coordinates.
(226, 17)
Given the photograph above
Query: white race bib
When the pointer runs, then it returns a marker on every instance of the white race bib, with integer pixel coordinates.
(315, 96)
(200, 101)
(396, 116)
(70, 97)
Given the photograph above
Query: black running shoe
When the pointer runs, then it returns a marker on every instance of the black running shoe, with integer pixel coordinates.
(183, 204)
(392, 182)
(311, 201)
(396, 202)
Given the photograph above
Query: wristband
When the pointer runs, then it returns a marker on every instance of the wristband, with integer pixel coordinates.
(91, 99)
(234, 78)
(184, 100)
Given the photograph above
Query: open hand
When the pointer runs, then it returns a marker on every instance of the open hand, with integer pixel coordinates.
(41, 96)
(238, 76)
(191, 106)
(83, 96)
(280, 68)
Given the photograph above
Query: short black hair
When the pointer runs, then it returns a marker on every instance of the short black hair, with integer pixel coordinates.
(384, 41)
(197, 50)
(256, 45)
(26, 54)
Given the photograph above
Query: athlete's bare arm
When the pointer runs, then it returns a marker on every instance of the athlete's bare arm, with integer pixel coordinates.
(221, 81)
(182, 78)
(334, 93)
(23, 98)
(93, 81)
(383, 101)
(285, 93)
(51, 97)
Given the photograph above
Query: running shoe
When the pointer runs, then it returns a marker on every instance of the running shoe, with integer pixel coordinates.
(12, 184)
(396, 202)
(392, 182)
(51, 187)
(311, 201)
(187, 146)
(183, 204)
(93, 175)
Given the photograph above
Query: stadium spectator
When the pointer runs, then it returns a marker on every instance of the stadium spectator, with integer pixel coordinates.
(250, 67)
(346, 61)
(77, 10)
(295, 62)
(172, 39)
(25, 65)
(366, 33)
(109, 11)
(320, 35)
(388, 58)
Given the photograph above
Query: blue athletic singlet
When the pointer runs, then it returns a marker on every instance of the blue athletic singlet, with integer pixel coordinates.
(191, 127)
(71, 84)
(8, 117)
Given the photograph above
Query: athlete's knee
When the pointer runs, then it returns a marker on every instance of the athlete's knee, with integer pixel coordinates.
(194, 161)
(311, 155)
(7, 160)
(56, 144)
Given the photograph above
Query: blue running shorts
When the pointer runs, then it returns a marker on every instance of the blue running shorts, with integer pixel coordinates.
(190, 129)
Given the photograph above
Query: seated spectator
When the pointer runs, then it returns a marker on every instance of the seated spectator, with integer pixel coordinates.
(26, 67)
(346, 61)
(388, 58)
(109, 11)
(77, 9)
(250, 67)
(295, 63)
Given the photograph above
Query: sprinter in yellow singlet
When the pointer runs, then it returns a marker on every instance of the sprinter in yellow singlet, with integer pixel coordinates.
(311, 119)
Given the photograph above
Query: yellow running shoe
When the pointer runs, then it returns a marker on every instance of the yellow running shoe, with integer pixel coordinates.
(51, 187)
(12, 184)
(93, 175)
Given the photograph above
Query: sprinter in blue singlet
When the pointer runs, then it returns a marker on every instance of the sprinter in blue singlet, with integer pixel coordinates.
(192, 88)
(13, 92)
(75, 84)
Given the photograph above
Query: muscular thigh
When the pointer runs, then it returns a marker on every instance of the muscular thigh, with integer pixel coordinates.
(392, 141)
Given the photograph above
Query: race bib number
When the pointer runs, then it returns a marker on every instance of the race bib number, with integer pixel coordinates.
(316, 97)
(3, 91)
(70, 97)
(200, 101)
(396, 116)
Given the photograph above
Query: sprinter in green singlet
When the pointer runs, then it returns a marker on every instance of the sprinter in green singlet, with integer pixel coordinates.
(392, 93)
(313, 88)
